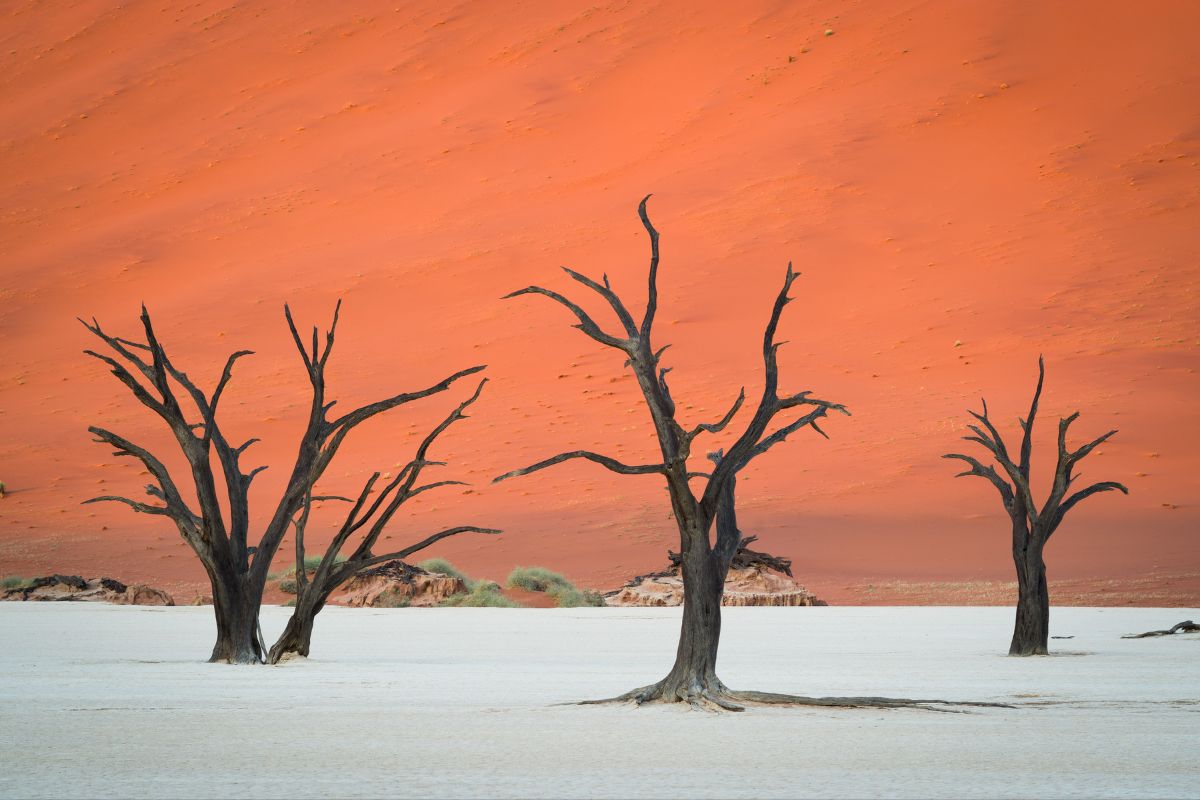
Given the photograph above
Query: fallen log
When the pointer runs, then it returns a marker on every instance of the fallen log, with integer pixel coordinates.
(1187, 626)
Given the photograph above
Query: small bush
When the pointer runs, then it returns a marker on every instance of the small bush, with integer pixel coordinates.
(14, 582)
(290, 603)
(565, 593)
(536, 579)
(444, 567)
(486, 594)
(288, 585)
(575, 598)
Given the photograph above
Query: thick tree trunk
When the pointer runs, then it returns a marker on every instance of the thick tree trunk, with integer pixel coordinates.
(695, 669)
(1031, 633)
(297, 634)
(693, 679)
(235, 605)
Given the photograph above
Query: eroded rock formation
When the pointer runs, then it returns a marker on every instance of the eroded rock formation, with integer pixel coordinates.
(395, 584)
(96, 590)
(755, 579)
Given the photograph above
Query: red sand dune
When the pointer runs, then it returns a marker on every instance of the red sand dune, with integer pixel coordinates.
(963, 186)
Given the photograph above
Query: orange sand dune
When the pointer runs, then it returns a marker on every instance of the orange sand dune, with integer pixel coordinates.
(963, 185)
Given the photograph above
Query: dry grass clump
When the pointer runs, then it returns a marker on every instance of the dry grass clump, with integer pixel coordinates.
(565, 593)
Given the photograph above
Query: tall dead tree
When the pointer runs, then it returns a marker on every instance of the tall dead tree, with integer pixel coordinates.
(1032, 527)
(705, 563)
(330, 573)
(236, 569)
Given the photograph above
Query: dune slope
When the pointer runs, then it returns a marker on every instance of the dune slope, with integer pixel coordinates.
(963, 186)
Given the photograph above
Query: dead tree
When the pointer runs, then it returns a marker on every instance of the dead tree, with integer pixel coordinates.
(1032, 527)
(236, 569)
(1187, 626)
(311, 595)
(693, 678)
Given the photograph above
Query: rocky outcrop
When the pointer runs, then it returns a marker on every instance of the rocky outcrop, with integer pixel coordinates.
(396, 584)
(96, 590)
(754, 579)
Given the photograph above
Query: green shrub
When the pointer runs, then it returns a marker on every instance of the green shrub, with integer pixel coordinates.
(290, 603)
(486, 594)
(565, 593)
(14, 582)
(575, 598)
(444, 567)
(536, 579)
(288, 585)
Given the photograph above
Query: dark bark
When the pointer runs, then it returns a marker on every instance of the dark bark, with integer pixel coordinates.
(695, 669)
(1031, 527)
(1187, 626)
(296, 639)
(218, 530)
(705, 562)
(236, 609)
(1031, 632)
(312, 594)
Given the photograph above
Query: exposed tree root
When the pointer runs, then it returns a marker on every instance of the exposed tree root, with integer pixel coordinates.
(721, 698)
(1187, 626)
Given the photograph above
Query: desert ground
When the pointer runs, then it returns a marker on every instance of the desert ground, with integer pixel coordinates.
(115, 701)
(962, 185)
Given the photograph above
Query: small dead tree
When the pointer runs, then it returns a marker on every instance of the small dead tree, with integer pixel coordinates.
(1032, 527)
(236, 569)
(311, 595)
(693, 678)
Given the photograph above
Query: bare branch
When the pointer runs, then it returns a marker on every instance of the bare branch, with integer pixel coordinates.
(401, 488)
(994, 443)
(426, 542)
(608, 294)
(142, 508)
(586, 323)
(1084, 451)
(604, 461)
(287, 313)
(337, 310)
(809, 419)
(1083, 494)
(721, 424)
(752, 442)
(1006, 491)
(1027, 423)
(435, 485)
(652, 297)
(169, 491)
(348, 421)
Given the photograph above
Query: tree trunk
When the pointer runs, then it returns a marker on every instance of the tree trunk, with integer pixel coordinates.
(1032, 630)
(235, 605)
(695, 669)
(297, 635)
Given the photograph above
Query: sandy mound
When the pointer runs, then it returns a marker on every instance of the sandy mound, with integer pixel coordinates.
(398, 584)
(97, 590)
(755, 579)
